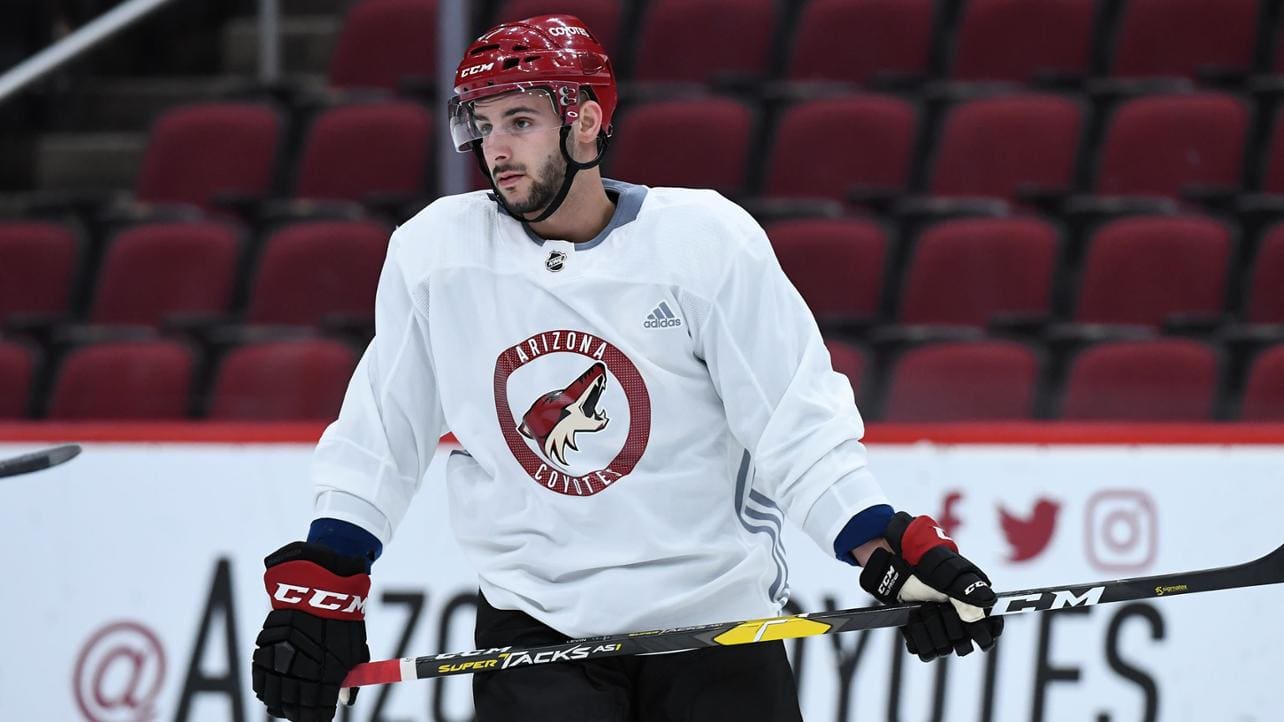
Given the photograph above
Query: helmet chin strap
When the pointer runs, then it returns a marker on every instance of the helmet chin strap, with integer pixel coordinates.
(572, 167)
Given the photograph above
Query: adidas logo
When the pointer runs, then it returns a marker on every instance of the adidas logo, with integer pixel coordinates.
(661, 317)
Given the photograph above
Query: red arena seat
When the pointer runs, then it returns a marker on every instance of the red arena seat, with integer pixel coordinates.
(655, 142)
(1158, 145)
(139, 380)
(825, 148)
(283, 381)
(37, 265)
(674, 43)
(356, 152)
(1266, 282)
(1184, 38)
(197, 152)
(310, 271)
(154, 272)
(1273, 163)
(17, 372)
(968, 271)
(988, 380)
(860, 42)
(383, 42)
(1022, 41)
(1142, 270)
(1162, 380)
(836, 264)
(1263, 398)
(999, 146)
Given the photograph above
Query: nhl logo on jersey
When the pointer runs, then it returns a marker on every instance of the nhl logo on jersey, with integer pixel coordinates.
(580, 414)
(556, 261)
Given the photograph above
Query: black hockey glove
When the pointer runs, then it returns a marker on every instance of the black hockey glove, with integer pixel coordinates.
(925, 566)
(315, 632)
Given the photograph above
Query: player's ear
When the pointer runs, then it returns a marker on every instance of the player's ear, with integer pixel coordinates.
(589, 124)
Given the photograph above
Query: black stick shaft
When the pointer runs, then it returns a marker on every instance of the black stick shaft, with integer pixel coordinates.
(38, 460)
(1266, 570)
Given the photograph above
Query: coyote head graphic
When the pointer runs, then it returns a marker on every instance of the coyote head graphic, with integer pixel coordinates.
(554, 419)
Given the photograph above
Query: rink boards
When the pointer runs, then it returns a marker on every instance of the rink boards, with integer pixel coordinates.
(133, 584)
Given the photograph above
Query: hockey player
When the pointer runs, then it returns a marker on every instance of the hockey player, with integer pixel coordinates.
(642, 396)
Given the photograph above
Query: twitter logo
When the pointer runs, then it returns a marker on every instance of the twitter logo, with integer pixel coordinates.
(1028, 536)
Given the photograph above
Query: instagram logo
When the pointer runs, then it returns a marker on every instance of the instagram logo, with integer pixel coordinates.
(1122, 530)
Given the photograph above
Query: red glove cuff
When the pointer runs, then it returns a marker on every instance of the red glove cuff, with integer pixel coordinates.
(921, 536)
(309, 587)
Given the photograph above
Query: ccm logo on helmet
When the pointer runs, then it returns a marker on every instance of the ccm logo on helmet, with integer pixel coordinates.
(320, 598)
(475, 69)
(568, 30)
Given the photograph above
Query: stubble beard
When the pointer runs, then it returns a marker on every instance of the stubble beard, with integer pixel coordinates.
(544, 185)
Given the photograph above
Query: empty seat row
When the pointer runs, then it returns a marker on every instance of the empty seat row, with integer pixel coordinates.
(1001, 146)
(385, 42)
(1142, 270)
(1156, 380)
(158, 380)
(1004, 147)
(208, 154)
(304, 274)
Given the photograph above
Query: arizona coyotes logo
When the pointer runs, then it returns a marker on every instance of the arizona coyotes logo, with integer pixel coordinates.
(570, 419)
(555, 418)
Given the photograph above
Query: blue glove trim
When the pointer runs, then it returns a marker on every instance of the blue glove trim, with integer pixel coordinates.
(866, 525)
(346, 538)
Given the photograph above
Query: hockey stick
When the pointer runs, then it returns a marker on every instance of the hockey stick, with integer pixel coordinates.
(1266, 570)
(38, 460)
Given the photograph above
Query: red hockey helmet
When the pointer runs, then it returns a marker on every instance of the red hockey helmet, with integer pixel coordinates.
(553, 54)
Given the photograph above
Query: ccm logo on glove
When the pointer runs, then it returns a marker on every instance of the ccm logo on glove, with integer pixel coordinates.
(293, 596)
(889, 582)
(342, 598)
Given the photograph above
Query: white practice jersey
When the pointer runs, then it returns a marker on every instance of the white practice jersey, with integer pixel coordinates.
(639, 412)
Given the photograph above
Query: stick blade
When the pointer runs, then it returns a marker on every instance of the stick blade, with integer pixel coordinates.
(39, 460)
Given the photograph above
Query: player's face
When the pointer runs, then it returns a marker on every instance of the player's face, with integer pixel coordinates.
(520, 141)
